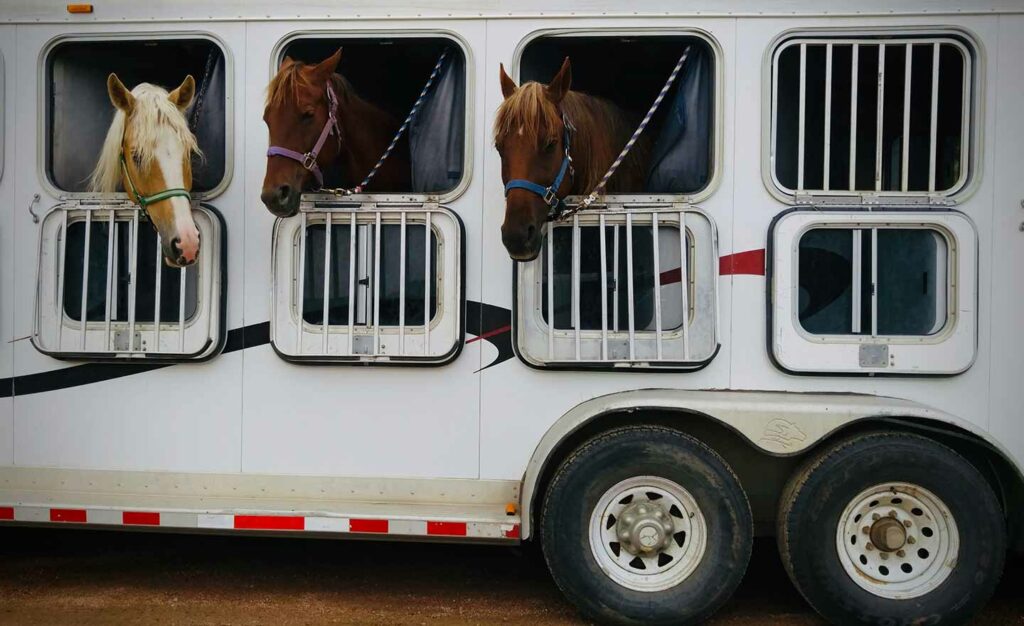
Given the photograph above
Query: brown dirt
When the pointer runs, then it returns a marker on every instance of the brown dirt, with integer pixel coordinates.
(88, 577)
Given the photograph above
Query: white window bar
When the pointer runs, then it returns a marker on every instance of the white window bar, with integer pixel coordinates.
(856, 280)
(684, 284)
(803, 118)
(427, 256)
(85, 279)
(352, 234)
(551, 292)
(376, 285)
(604, 289)
(656, 253)
(300, 286)
(182, 290)
(327, 282)
(133, 266)
(905, 153)
(933, 131)
(874, 282)
(60, 279)
(880, 117)
(828, 114)
(629, 286)
(401, 287)
(157, 279)
(854, 62)
(576, 281)
(111, 272)
(615, 278)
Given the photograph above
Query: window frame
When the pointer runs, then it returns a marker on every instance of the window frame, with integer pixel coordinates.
(718, 132)
(400, 198)
(528, 321)
(795, 350)
(211, 304)
(450, 279)
(973, 108)
(43, 126)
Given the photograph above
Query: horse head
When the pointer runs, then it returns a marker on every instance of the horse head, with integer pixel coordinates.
(531, 137)
(148, 151)
(301, 115)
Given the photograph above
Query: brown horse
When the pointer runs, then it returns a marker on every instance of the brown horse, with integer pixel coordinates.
(529, 135)
(298, 110)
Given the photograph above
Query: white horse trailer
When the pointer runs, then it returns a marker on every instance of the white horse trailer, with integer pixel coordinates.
(796, 331)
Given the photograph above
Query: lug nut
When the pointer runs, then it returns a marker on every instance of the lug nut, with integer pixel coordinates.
(906, 523)
(866, 530)
(884, 555)
(901, 553)
(875, 516)
(868, 546)
(911, 540)
(892, 514)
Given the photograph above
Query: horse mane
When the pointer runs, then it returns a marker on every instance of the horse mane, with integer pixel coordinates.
(602, 129)
(152, 114)
(290, 80)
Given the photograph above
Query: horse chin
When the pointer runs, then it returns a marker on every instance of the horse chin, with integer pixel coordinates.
(524, 257)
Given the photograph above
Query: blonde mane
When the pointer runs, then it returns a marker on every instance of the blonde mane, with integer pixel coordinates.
(602, 129)
(152, 115)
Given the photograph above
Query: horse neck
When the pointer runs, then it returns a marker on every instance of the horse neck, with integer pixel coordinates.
(602, 129)
(366, 131)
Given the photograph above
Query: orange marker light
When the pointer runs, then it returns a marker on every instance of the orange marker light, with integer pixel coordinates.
(79, 8)
(510, 508)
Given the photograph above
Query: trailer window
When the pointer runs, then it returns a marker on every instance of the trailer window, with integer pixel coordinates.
(884, 115)
(101, 264)
(393, 284)
(78, 109)
(624, 288)
(679, 145)
(873, 292)
(390, 72)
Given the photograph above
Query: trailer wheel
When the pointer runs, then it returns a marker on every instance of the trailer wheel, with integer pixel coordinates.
(894, 529)
(646, 525)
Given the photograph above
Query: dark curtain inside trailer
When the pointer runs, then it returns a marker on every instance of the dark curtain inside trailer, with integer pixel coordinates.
(436, 133)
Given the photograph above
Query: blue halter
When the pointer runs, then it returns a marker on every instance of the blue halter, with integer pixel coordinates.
(550, 193)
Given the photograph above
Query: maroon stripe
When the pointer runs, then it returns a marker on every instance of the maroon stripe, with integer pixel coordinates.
(750, 262)
(6, 513)
(491, 333)
(368, 526)
(68, 515)
(452, 529)
(140, 518)
(269, 522)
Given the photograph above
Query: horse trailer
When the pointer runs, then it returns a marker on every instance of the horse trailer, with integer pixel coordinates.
(782, 323)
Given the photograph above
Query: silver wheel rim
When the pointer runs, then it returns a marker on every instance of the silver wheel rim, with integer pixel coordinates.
(897, 540)
(647, 533)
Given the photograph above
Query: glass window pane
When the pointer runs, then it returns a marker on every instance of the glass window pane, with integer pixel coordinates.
(911, 282)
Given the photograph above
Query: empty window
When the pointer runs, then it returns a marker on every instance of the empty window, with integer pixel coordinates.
(101, 264)
(624, 288)
(79, 111)
(888, 115)
(392, 279)
(873, 292)
(677, 150)
(390, 73)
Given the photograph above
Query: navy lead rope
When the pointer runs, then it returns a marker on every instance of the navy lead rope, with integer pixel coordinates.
(401, 129)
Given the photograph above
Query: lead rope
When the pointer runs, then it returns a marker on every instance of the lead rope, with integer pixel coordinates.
(590, 199)
(401, 129)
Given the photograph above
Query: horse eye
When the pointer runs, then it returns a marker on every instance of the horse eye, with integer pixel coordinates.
(307, 115)
(550, 145)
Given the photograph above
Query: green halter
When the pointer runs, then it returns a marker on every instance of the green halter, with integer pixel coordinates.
(145, 201)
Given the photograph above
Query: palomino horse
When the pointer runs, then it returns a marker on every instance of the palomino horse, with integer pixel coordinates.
(148, 151)
(545, 161)
(319, 124)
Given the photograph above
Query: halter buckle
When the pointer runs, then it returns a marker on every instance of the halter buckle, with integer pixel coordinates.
(309, 160)
(550, 197)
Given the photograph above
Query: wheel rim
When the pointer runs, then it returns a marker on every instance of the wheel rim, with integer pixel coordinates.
(897, 540)
(647, 533)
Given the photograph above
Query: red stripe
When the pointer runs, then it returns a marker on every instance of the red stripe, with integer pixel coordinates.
(452, 529)
(6, 512)
(140, 518)
(749, 262)
(514, 533)
(491, 333)
(270, 522)
(368, 526)
(67, 515)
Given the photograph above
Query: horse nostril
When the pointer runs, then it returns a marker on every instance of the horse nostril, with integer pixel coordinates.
(176, 244)
(284, 192)
(531, 230)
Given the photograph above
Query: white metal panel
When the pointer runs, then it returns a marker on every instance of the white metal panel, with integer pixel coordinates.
(8, 61)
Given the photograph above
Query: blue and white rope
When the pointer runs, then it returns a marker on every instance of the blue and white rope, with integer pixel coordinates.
(590, 199)
(401, 129)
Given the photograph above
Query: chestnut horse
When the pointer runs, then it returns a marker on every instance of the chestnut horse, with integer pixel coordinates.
(148, 152)
(530, 135)
(318, 126)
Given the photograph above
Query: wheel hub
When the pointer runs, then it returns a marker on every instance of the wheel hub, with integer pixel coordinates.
(888, 534)
(645, 527)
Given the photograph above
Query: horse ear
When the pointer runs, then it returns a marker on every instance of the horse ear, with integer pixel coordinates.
(120, 97)
(508, 86)
(329, 65)
(285, 62)
(559, 85)
(182, 96)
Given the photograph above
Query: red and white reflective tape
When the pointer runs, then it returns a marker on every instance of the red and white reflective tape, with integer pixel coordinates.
(263, 522)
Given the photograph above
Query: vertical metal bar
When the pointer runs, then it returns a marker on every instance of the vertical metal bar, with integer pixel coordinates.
(401, 287)
(684, 284)
(551, 290)
(325, 343)
(855, 281)
(854, 62)
(85, 278)
(351, 282)
(828, 116)
(376, 285)
(803, 120)
(158, 279)
(427, 280)
(629, 286)
(300, 288)
(615, 278)
(905, 153)
(880, 116)
(60, 279)
(933, 131)
(182, 290)
(657, 283)
(604, 290)
(111, 272)
(874, 282)
(133, 281)
(575, 276)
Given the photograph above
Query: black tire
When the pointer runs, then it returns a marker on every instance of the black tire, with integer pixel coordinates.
(628, 452)
(818, 493)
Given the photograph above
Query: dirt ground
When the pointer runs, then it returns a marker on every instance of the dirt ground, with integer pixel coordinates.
(97, 577)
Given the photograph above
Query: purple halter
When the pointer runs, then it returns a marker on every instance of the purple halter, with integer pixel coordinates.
(308, 160)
